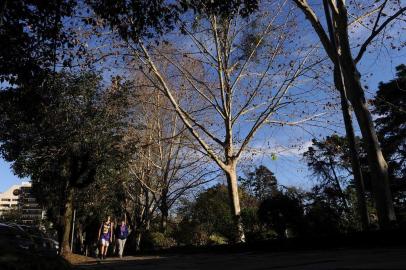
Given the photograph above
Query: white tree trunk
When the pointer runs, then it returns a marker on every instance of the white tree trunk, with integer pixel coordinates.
(232, 184)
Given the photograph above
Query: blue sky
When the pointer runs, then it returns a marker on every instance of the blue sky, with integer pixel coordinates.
(7, 177)
(288, 166)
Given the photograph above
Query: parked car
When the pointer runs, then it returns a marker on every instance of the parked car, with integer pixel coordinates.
(43, 243)
(20, 250)
(15, 239)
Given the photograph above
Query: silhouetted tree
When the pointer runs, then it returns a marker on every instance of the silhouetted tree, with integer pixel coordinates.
(260, 183)
(390, 108)
(328, 159)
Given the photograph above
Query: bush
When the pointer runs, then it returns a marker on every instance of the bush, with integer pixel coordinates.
(212, 211)
(191, 233)
(322, 219)
(260, 235)
(157, 240)
(282, 212)
(217, 239)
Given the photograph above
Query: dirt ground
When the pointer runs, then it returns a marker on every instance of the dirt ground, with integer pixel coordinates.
(339, 259)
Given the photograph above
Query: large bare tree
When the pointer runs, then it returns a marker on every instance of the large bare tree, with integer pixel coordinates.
(247, 69)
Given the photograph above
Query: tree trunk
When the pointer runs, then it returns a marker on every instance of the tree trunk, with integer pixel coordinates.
(147, 225)
(67, 221)
(355, 164)
(144, 230)
(355, 94)
(164, 218)
(231, 175)
(137, 237)
(339, 83)
(164, 211)
(142, 227)
(377, 165)
(137, 231)
(376, 162)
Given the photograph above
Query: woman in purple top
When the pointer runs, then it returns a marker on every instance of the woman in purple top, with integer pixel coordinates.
(105, 236)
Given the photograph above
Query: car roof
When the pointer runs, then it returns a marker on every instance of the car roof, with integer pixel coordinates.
(4, 228)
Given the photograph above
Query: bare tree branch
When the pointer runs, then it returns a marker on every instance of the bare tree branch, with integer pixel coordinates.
(376, 31)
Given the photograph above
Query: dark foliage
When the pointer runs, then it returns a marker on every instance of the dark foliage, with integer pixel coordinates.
(30, 36)
(212, 209)
(136, 19)
(390, 107)
(260, 183)
(323, 218)
(282, 212)
(221, 8)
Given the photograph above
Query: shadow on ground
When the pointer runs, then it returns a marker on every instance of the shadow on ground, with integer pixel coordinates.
(25, 260)
(368, 250)
(338, 259)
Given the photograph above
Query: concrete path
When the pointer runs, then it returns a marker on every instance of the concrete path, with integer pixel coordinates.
(340, 259)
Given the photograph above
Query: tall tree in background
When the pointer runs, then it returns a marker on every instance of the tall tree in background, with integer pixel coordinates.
(328, 159)
(177, 166)
(261, 183)
(338, 48)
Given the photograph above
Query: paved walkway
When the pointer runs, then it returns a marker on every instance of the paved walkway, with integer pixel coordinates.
(341, 259)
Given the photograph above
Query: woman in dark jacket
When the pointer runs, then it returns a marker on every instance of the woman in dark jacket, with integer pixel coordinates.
(121, 236)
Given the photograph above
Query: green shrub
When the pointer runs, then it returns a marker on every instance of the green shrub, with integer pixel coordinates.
(217, 239)
(191, 233)
(157, 240)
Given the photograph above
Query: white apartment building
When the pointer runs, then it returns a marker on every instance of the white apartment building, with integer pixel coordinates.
(9, 198)
(20, 197)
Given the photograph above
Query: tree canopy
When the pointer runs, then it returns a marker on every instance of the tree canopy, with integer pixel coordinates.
(32, 37)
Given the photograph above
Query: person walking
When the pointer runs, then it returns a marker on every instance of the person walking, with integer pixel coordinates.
(121, 236)
(105, 237)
